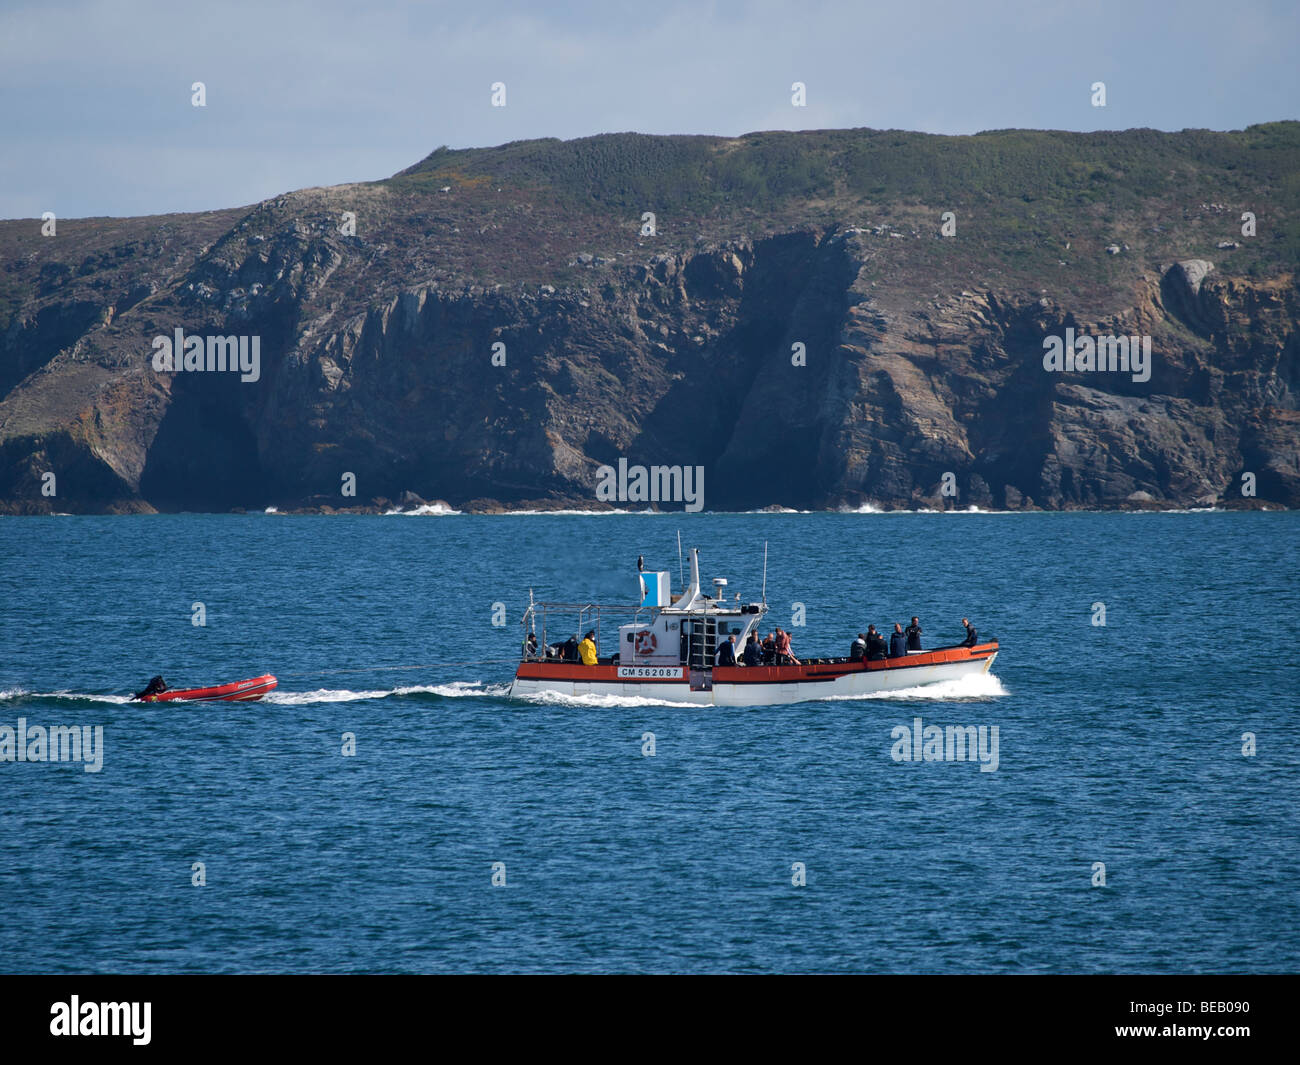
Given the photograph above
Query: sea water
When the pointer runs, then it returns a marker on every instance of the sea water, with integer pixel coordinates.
(389, 809)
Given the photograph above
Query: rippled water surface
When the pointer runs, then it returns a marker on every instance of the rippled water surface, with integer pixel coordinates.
(1119, 744)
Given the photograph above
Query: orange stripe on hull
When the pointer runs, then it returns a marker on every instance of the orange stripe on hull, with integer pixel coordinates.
(827, 671)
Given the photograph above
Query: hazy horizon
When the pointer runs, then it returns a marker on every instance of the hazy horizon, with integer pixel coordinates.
(98, 119)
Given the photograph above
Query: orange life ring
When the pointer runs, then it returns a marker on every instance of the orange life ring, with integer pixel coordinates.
(645, 642)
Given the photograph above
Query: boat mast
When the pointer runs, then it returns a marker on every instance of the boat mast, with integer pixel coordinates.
(681, 571)
(764, 574)
(692, 592)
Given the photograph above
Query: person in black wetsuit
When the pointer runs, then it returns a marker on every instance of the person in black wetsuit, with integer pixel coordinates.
(914, 635)
(859, 647)
(155, 687)
(570, 651)
(971, 633)
(875, 644)
(753, 654)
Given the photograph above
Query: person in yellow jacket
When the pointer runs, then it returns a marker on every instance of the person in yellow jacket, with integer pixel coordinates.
(587, 649)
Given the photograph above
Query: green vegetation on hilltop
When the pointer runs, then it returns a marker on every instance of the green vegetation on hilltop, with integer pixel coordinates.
(1060, 175)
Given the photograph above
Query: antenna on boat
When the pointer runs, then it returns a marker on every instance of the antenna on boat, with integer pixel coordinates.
(681, 566)
(764, 571)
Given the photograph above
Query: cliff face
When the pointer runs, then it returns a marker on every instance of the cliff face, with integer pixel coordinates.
(922, 355)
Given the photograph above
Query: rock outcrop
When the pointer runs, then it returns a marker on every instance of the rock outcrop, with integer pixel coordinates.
(487, 338)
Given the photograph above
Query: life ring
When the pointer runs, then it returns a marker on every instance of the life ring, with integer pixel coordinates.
(645, 642)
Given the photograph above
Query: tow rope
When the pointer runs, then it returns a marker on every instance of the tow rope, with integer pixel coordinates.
(383, 669)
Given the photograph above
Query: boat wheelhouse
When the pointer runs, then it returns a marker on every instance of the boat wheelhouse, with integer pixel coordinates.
(667, 650)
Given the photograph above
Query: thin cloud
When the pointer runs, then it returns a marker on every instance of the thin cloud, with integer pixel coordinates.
(94, 96)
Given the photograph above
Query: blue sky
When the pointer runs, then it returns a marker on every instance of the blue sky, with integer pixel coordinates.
(96, 119)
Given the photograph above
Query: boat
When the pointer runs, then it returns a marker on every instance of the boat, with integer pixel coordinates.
(667, 648)
(237, 691)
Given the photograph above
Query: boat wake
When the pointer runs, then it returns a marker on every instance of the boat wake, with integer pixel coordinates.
(974, 689)
(552, 698)
(16, 694)
(979, 686)
(455, 690)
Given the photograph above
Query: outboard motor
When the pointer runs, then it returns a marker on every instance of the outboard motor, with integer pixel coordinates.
(154, 687)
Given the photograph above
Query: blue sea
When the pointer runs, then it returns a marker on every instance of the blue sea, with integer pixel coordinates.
(1120, 744)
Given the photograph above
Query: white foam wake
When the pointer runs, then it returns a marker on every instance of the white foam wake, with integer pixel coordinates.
(23, 693)
(322, 695)
(455, 690)
(426, 510)
(977, 686)
(597, 701)
(574, 513)
(458, 689)
(981, 686)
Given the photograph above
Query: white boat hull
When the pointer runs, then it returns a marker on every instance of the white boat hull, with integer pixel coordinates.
(859, 684)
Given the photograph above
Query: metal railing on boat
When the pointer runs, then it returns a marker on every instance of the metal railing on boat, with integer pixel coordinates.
(587, 617)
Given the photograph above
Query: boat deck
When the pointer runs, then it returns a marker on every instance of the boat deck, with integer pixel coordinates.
(609, 669)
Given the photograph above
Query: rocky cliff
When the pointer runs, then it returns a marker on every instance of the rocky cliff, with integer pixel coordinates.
(817, 319)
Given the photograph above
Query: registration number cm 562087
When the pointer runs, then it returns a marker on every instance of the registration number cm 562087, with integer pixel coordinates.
(651, 672)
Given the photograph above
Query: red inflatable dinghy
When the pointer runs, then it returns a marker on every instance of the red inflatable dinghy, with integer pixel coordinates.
(239, 691)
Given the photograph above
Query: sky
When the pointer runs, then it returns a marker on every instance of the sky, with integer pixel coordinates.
(97, 118)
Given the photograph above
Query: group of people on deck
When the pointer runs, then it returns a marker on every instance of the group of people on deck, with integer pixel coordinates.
(871, 645)
(571, 650)
(774, 650)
